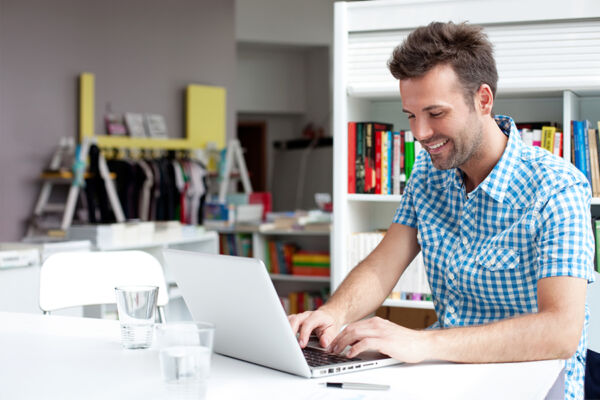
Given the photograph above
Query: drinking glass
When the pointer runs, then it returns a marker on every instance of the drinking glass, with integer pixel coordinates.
(185, 350)
(136, 306)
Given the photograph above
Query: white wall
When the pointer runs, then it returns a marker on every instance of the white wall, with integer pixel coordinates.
(305, 22)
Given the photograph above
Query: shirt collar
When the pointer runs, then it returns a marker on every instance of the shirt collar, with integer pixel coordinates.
(496, 183)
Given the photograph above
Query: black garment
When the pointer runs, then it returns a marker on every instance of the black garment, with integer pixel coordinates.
(124, 180)
(592, 375)
(95, 191)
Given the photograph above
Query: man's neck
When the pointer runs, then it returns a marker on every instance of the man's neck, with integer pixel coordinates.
(479, 167)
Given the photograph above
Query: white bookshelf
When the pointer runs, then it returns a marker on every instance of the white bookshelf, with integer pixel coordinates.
(548, 58)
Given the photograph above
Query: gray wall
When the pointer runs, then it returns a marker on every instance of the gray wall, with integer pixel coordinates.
(143, 53)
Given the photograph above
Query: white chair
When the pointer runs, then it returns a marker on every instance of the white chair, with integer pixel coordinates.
(593, 301)
(89, 278)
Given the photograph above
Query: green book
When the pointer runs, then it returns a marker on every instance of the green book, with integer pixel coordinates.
(597, 228)
(409, 153)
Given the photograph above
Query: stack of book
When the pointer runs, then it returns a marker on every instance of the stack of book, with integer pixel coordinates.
(379, 160)
(311, 264)
(586, 152)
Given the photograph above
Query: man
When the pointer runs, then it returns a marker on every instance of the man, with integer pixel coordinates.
(504, 228)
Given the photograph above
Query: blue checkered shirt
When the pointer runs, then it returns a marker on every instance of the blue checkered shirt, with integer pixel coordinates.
(485, 251)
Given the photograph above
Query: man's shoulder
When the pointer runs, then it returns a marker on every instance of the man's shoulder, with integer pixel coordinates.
(545, 174)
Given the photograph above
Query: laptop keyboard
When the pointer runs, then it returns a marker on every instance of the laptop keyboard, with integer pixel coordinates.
(317, 358)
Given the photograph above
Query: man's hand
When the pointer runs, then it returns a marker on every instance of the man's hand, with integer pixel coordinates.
(377, 334)
(322, 322)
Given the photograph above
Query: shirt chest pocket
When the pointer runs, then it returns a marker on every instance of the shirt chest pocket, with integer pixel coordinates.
(498, 259)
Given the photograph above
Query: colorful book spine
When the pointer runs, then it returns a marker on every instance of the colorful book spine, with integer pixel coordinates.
(586, 126)
(579, 146)
(378, 161)
(389, 161)
(409, 153)
(537, 138)
(396, 163)
(360, 158)
(310, 271)
(384, 162)
(369, 158)
(597, 230)
(351, 157)
(548, 138)
(558, 144)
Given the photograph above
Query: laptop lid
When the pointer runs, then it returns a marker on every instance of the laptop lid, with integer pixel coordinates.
(237, 295)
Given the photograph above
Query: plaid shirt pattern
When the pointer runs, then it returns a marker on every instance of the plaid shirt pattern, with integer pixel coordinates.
(485, 251)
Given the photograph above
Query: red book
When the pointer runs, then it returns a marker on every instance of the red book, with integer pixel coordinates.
(310, 271)
(351, 157)
(378, 138)
(263, 198)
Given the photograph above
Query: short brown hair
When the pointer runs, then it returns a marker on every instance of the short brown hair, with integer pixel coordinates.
(464, 47)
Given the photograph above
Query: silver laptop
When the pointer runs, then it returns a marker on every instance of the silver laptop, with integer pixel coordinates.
(237, 295)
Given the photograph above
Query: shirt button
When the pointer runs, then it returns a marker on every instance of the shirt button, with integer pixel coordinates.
(451, 309)
(450, 276)
(465, 240)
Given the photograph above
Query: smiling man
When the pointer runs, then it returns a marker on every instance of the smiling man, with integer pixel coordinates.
(504, 228)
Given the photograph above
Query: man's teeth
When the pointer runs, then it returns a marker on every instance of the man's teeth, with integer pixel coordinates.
(435, 146)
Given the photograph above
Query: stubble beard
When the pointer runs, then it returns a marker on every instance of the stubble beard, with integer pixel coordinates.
(465, 148)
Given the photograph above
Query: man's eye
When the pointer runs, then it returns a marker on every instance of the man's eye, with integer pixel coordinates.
(435, 115)
(410, 116)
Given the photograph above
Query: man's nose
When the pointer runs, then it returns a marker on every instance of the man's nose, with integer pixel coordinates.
(422, 131)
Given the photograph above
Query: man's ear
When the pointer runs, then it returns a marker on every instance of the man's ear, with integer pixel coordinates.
(484, 99)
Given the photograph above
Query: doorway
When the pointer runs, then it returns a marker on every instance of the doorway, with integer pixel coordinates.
(253, 139)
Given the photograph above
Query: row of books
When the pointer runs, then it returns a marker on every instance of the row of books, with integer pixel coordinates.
(586, 152)
(297, 302)
(548, 137)
(379, 160)
(414, 278)
(236, 244)
(285, 258)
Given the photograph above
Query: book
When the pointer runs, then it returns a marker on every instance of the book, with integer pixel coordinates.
(378, 161)
(360, 158)
(135, 124)
(409, 153)
(351, 157)
(369, 159)
(594, 167)
(579, 146)
(310, 271)
(156, 126)
(114, 125)
(537, 138)
(586, 127)
(384, 163)
(396, 171)
(558, 144)
(597, 232)
(548, 138)
(388, 162)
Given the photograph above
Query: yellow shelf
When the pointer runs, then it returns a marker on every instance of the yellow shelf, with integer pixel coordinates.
(205, 120)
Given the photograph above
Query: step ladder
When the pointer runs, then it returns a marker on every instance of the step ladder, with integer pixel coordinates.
(75, 179)
(234, 156)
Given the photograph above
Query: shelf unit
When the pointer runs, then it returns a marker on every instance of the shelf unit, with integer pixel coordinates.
(535, 83)
(313, 240)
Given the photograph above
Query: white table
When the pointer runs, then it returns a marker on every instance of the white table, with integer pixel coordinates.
(56, 357)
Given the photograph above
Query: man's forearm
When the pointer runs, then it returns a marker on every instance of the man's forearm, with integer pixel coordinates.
(540, 336)
(359, 294)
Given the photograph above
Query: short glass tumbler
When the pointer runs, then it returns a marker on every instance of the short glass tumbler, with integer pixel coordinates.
(136, 306)
(185, 353)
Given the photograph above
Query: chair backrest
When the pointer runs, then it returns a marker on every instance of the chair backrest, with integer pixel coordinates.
(88, 278)
(593, 301)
